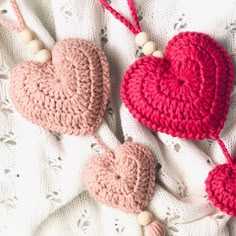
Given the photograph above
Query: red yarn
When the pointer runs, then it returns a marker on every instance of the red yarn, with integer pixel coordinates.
(135, 29)
(225, 151)
(221, 188)
(186, 94)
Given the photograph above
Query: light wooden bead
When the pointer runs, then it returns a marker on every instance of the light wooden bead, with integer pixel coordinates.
(43, 56)
(158, 54)
(26, 36)
(145, 218)
(35, 46)
(149, 48)
(141, 38)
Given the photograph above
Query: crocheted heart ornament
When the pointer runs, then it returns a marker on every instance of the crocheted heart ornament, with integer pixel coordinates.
(221, 187)
(123, 180)
(67, 94)
(187, 93)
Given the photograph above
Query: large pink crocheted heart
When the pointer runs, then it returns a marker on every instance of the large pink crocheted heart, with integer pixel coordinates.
(124, 180)
(186, 94)
(68, 94)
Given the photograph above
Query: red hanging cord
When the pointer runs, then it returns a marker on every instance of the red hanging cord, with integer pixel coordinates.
(134, 28)
(225, 151)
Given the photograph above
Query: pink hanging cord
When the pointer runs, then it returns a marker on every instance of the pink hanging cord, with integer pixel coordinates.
(19, 17)
(102, 145)
(135, 28)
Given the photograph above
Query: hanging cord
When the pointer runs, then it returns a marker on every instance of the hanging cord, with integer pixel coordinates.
(134, 28)
(26, 35)
(225, 151)
(102, 145)
(142, 38)
(145, 218)
(19, 17)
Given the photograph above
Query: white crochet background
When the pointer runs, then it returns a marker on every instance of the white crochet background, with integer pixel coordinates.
(41, 189)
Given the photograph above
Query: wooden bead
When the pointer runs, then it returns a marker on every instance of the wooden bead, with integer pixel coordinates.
(145, 218)
(158, 54)
(141, 38)
(35, 46)
(149, 48)
(26, 36)
(43, 56)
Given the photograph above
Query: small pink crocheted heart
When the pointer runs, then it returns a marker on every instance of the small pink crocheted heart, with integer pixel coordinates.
(68, 94)
(187, 93)
(221, 188)
(124, 180)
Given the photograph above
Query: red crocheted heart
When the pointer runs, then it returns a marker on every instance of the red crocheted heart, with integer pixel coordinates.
(124, 180)
(186, 94)
(68, 94)
(221, 188)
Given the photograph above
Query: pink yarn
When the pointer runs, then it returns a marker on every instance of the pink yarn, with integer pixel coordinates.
(124, 180)
(19, 17)
(155, 229)
(187, 94)
(68, 94)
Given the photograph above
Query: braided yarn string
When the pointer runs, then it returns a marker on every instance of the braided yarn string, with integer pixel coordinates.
(103, 146)
(135, 29)
(134, 15)
(19, 16)
(221, 183)
(27, 36)
(186, 95)
(225, 151)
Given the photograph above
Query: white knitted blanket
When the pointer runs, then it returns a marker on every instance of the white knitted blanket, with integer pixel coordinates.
(41, 188)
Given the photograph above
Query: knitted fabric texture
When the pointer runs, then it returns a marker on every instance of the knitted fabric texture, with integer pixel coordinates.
(124, 180)
(68, 94)
(187, 93)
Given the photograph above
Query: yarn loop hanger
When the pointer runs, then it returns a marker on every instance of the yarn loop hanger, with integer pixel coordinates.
(142, 38)
(145, 218)
(18, 28)
(150, 86)
(134, 28)
(26, 35)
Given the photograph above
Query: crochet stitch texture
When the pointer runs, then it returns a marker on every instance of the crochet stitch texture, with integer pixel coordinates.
(187, 93)
(68, 94)
(221, 188)
(123, 180)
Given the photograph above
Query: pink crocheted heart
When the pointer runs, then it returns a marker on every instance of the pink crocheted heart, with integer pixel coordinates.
(68, 94)
(221, 188)
(124, 180)
(186, 94)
